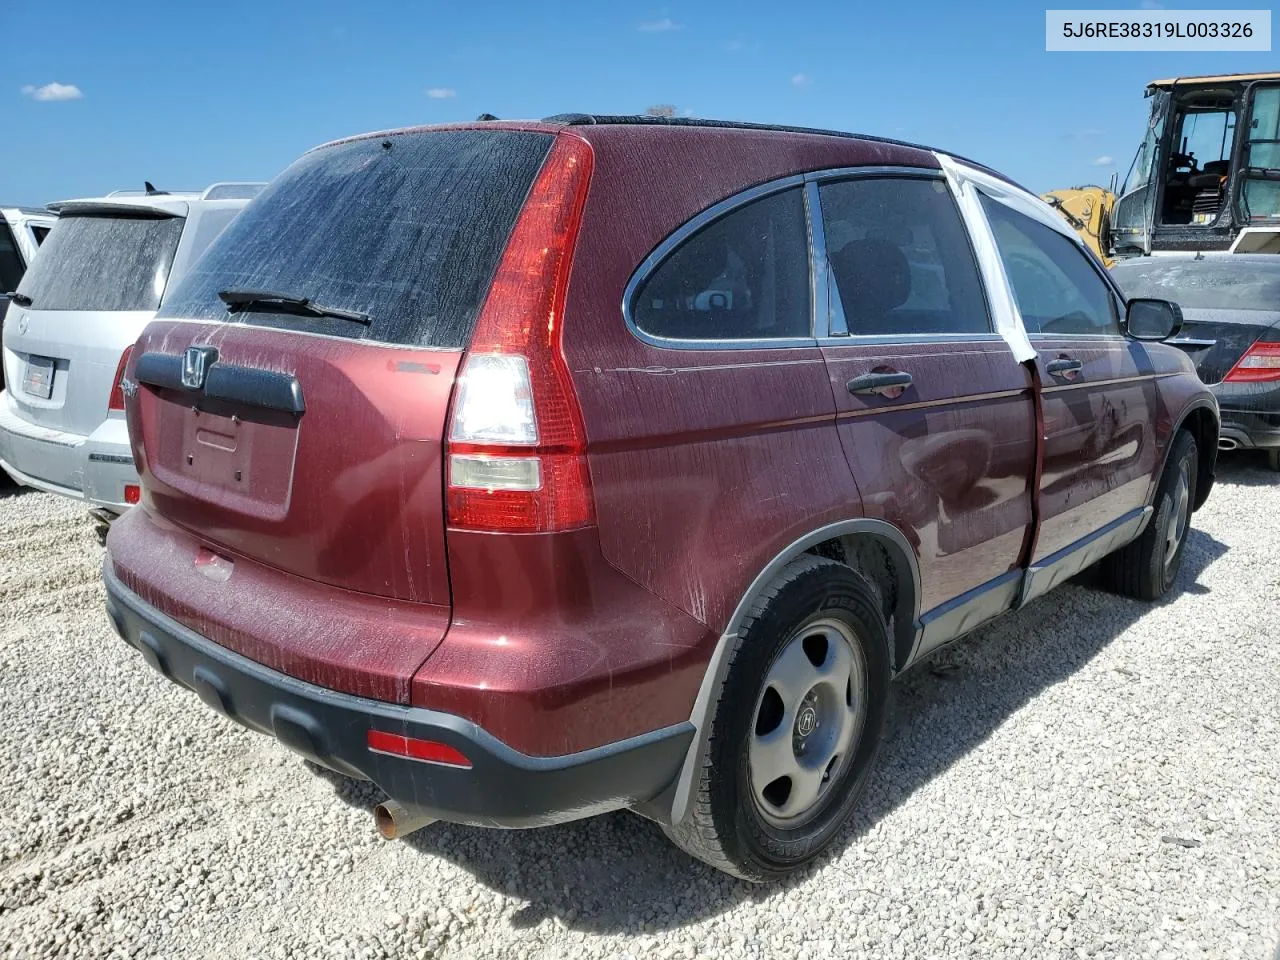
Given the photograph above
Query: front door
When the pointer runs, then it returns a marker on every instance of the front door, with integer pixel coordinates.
(1097, 386)
(935, 415)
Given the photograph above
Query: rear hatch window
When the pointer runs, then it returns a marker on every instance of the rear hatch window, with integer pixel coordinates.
(405, 230)
(1203, 284)
(108, 262)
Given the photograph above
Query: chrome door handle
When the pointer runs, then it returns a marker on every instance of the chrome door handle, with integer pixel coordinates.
(880, 383)
(1064, 367)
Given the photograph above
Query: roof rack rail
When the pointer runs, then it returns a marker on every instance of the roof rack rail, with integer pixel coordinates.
(234, 190)
(637, 119)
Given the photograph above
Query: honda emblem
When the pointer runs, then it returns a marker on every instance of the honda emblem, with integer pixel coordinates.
(195, 365)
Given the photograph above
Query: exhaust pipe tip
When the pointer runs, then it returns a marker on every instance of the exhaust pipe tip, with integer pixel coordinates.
(394, 820)
(1228, 443)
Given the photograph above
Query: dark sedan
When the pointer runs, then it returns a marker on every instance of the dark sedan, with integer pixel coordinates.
(1231, 329)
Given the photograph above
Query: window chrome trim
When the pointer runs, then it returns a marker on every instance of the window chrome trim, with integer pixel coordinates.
(819, 268)
(907, 339)
(876, 172)
(682, 233)
(1110, 337)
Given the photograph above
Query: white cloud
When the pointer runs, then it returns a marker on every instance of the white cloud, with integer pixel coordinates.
(1104, 161)
(658, 26)
(442, 93)
(53, 91)
(801, 80)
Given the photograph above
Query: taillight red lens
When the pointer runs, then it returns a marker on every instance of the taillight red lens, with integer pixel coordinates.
(429, 751)
(132, 493)
(523, 317)
(1260, 363)
(116, 400)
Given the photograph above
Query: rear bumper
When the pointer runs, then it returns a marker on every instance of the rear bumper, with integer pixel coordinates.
(95, 468)
(502, 788)
(1250, 413)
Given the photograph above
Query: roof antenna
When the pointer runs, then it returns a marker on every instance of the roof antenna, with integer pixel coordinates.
(152, 191)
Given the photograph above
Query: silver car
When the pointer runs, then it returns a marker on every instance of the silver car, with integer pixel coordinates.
(100, 277)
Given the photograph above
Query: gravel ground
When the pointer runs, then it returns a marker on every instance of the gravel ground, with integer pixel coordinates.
(1091, 777)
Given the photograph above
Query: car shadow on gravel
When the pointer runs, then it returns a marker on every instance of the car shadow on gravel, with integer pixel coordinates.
(618, 874)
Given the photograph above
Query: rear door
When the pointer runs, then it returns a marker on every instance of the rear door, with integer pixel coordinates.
(935, 415)
(1098, 388)
(311, 442)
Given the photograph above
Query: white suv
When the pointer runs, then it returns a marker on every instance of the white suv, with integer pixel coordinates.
(99, 279)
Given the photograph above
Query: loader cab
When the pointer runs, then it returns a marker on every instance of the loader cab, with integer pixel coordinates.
(1208, 167)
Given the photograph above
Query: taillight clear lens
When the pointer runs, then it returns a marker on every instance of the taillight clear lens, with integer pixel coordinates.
(1260, 363)
(495, 473)
(494, 402)
(116, 400)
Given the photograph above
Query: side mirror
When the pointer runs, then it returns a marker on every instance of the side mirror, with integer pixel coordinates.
(1152, 319)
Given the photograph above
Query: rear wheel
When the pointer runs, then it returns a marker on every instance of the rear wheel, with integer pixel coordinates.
(1147, 567)
(796, 727)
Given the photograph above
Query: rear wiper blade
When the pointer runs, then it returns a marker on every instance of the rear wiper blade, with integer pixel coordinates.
(237, 300)
(21, 299)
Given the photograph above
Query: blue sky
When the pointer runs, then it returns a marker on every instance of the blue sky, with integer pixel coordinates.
(186, 93)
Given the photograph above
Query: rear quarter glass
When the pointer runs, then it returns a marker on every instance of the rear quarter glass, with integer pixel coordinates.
(107, 263)
(406, 228)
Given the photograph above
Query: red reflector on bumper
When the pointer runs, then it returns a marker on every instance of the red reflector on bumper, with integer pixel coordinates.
(427, 750)
(132, 493)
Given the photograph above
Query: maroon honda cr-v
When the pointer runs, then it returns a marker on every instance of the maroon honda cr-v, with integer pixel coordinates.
(533, 470)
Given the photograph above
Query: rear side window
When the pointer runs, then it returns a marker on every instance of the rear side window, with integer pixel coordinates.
(39, 233)
(744, 276)
(407, 229)
(1057, 289)
(900, 259)
(92, 262)
(10, 260)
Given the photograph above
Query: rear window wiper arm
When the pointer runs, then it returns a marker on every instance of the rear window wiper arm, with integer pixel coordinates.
(21, 299)
(237, 300)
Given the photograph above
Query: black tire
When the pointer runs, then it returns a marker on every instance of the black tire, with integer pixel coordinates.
(1140, 569)
(1273, 459)
(724, 825)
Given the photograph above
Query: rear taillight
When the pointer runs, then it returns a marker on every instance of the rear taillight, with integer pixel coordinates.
(116, 400)
(132, 493)
(516, 445)
(1260, 363)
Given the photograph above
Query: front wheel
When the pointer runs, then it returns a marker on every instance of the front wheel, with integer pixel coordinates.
(1147, 567)
(796, 727)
